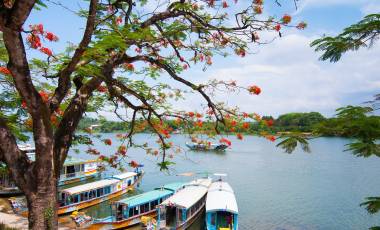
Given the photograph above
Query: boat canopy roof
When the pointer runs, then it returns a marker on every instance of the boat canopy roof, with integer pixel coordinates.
(76, 161)
(90, 186)
(172, 186)
(221, 197)
(124, 175)
(189, 195)
(145, 197)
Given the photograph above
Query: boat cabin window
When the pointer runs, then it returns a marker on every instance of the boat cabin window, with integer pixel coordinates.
(99, 192)
(213, 215)
(107, 190)
(75, 198)
(129, 182)
(92, 194)
(136, 211)
(130, 214)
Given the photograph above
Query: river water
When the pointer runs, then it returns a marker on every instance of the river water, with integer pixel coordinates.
(274, 190)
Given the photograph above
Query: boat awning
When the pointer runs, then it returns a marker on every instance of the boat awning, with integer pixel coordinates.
(220, 197)
(144, 197)
(124, 175)
(90, 186)
(189, 195)
(77, 161)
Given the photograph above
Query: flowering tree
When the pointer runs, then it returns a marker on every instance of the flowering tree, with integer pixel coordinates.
(121, 41)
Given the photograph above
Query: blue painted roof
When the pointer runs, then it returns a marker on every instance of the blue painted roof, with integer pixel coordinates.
(156, 194)
(145, 197)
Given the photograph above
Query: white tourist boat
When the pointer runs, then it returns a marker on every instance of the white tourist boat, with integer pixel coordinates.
(221, 206)
(180, 210)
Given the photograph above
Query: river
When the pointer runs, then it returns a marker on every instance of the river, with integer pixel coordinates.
(274, 190)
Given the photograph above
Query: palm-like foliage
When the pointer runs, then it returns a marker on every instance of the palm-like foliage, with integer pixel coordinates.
(372, 204)
(290, 142)
(362, 34)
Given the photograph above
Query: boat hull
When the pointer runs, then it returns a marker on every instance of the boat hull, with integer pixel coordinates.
(123, 223)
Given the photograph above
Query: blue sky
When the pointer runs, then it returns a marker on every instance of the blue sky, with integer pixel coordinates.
(288, 70)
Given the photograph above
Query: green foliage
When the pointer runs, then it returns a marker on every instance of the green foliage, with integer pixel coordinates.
(291, 141)
(372, 204)
(354, 122)
(361, 34)
(302, 122)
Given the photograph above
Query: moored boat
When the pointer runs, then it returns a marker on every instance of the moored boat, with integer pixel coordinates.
(221, 207)
(134, 210)
(86, 195)
(180, 210)
(206, 146)
(74, 170)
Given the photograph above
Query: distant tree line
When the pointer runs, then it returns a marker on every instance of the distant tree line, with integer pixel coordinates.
(312, 122)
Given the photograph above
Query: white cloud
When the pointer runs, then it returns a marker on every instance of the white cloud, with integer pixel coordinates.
(293, 79)
(366, 6)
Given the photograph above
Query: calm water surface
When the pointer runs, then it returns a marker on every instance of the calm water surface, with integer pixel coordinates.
(274, 190)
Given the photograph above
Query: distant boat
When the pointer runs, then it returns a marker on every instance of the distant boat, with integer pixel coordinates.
(180, 210)
(74, 170)
(208, 146)
(221, 207)
(86, 195)
(133, 210)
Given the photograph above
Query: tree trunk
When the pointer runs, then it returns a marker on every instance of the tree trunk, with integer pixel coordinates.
(42, 205)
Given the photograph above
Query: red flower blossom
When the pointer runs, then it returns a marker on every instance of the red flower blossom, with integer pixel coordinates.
(286, 19)
(199, 123)
(102, 88)
(198, 115)
(133, 164)
(208, 60)
(245, 115)
(301, 25)
(5, 70)
(44, 96)
(122, 150)
(258, 9)
(119, 135)
(233, 123)
(259, 2)
(254, 90)
(46, 51)
(37, 29)
(108, 141)
(51, 37)
(211, 3)
(182, 59)
(191, 114)
(195, 6)
(225, 141)
(271, 138)
(119, 20)
(245, 125)
(34, 41)
(239, 136)
(269, 123)
(185, 66)
(23, 104)
(240, 52)
(225, 5)
(129, 66)
(277, 27)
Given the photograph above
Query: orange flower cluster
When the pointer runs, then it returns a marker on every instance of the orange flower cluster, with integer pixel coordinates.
(108, 141)
(34, 39)
(5, 70)
(254, 90)
(286, 19)
(225, 141)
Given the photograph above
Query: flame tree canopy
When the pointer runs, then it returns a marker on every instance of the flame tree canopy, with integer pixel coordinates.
(130, 60)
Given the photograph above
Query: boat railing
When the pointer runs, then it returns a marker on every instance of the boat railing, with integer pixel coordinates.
(71, 175)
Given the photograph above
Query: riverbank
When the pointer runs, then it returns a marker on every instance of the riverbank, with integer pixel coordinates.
(12, 220)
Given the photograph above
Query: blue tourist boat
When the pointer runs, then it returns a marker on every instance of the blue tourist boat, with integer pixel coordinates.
(181, 210)
(221, 207)
(133, 210)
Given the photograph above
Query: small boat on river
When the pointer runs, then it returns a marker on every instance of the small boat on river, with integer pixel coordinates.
(135, 209)
(86, 195)
(180, 210)
(206, 146)
(221, 207)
